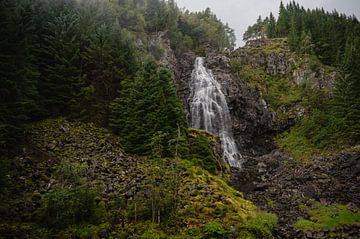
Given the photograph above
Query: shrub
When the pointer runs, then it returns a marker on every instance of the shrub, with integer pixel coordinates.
(62, 207)
(214, 230)
(202, 152)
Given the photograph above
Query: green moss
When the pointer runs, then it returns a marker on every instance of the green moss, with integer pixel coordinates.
(319, 133)
(153, 232)
(21, 230)
(261, 225)
(296, 144)
(328, 217)
(221, 205)
(201, 150)
(213, 230)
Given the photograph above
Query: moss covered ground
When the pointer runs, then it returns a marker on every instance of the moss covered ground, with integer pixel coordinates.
(73, 180)
(332, 217)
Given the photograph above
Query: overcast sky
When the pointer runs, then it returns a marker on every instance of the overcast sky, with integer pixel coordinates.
(242, 13)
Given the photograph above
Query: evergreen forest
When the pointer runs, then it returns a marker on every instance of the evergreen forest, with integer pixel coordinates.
(96, 122)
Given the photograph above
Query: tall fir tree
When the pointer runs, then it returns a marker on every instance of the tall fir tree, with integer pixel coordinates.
(147, 107)
(271, 27)
(293, 37)
(62, 78)
(282, 25)
(19, 73)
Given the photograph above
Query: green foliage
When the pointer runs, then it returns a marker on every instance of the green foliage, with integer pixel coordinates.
(261, 225)
(282, 24)
(84, 230)
(258, 30)
(201, 151)
(58, 58)
(293, 36)
(213, 230)
(71, 202)
(70, 173)
(11, 230)
(19, 72)
(63, 207)
(148, 107)
(316, 133)
(152, 232)
(328, 217)
(278, 92)
(61, 77)
(158, 198)
(204, 28)
(347, 92)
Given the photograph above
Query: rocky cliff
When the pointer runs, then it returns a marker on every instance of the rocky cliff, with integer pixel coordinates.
(274, 57)
(250, 116)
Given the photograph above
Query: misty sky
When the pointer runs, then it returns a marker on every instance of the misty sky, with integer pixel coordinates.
(242, 13)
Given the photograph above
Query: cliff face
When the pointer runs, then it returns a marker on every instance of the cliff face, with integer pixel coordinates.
(273, 56)
(249, 113)
(255, 111)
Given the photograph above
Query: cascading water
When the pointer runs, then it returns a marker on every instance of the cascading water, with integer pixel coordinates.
(209, 110)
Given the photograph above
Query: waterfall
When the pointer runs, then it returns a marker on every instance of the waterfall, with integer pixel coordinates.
(209, 110)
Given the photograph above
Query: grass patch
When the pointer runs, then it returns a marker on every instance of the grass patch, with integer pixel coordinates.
(317, 134)
(328, 217)
(261, 225)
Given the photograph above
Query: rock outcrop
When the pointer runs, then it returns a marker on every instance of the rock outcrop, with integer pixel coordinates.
(250, 115)
(272, 56)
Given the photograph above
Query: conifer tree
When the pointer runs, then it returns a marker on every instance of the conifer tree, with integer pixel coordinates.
(293, 37)
(282, 26)
(271, 27)
(147, 107)
(19, 73)
(347, 91)
(62, 80)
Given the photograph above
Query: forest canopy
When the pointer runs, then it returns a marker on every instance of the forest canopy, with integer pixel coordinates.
(69, 57)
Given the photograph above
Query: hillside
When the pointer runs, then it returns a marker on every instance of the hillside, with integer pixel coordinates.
(302, 180)
(138, 119)
(74, 180)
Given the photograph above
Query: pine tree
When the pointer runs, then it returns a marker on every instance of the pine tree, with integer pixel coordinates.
(305, 44)
(147, 107)
(19, 73)
(293, 37)
(271, 27)
(347, 91)
(62, 79)
(282, 25)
